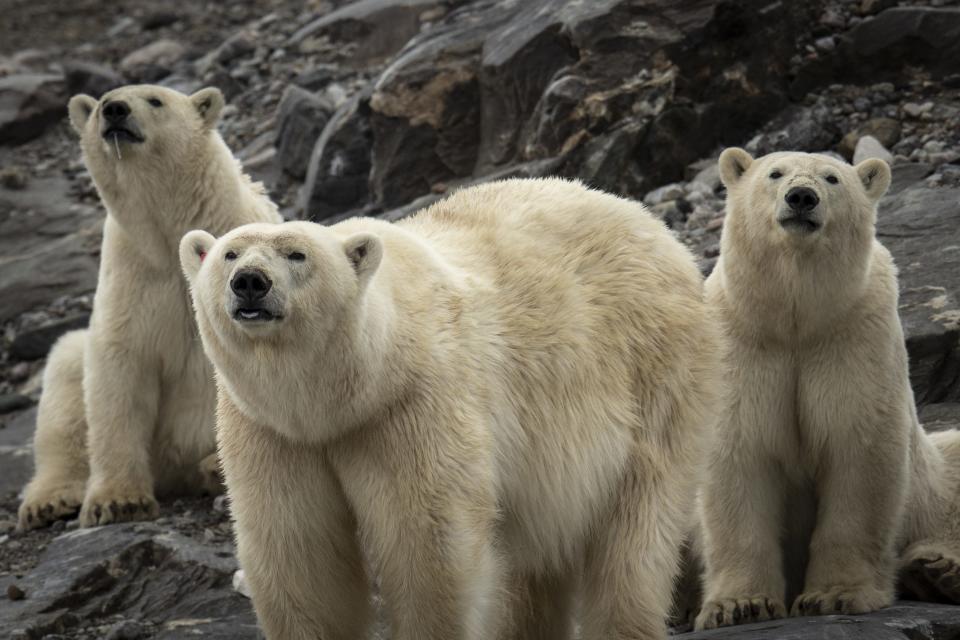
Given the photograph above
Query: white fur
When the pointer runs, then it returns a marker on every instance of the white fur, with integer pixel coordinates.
(822, 473)
(147, 389)
(507, 395)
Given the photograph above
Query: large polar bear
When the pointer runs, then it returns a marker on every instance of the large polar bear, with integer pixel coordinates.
(822, 475)
(130, 402)
(506, 395)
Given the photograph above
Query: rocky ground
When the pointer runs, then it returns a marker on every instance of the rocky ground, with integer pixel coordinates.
(378, 107)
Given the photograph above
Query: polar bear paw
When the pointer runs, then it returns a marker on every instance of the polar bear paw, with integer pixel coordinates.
(845, 599)
(211, 477)
(931, 572)
(44, 505)
(724, 612)
(105, 507)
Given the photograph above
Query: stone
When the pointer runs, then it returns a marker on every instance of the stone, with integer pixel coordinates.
(339, 169)
(10, 402)
(869, 147)
(142, 571)
(301, 117)
(667, 192)
(239, 45)
(29, 105)
(15, 593)
(59, 267)
(886, 130)
(14, 178)
(917, 225)
(16, 451)
(36, 342)
(90, 78)
(154, 61)
(797, 129)
(375, 29)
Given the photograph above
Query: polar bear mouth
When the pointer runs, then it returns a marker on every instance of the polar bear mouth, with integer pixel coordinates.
(255, 315)
(118, 133)
(802, 224)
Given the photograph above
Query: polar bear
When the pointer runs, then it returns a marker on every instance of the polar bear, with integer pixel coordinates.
(127, 409)
(507, 395)
(822, 477)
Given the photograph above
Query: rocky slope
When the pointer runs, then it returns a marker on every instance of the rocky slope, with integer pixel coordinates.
(378, 107)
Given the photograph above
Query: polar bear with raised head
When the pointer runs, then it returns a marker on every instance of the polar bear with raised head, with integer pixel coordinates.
(822, 481)
(127, 409)
(501, 402)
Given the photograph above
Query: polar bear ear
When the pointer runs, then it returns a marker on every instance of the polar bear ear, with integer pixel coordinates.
(364, 251)
(734, 162)
(875, 176)
(194, 247)
(80, 108)
(208, 103)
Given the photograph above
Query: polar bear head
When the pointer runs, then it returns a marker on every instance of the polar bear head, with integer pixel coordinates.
(140, 126)
(789, 199)
(286, 306)
(277, 281)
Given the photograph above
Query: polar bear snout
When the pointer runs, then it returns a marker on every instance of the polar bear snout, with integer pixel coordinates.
(800, 214)
(251, 302)
(250, 285)
(802, 199)
(118, 125)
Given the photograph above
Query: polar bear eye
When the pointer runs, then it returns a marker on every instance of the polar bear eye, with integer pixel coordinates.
(296, 256)
(776, 175)
(155, 102)
(230, 255)
(832, 179)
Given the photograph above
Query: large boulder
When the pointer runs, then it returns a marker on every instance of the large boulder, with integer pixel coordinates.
(500, 82)
(921, 228)
(153, 579)
(301, 117)
(29, 104)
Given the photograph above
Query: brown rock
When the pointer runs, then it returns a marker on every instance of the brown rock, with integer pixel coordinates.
(15, 593)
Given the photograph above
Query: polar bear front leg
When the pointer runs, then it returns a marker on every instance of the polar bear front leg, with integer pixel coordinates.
(122, 393)
(743, 516)
(852, 562)
(296, 535)
(424, 499)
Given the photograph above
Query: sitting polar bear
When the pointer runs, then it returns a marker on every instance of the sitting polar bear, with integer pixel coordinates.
(506, 395)
(127, 408)
(822, 475)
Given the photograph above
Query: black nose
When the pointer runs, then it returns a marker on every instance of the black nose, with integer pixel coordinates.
(802, 199)
(250, 284)
(116, 111)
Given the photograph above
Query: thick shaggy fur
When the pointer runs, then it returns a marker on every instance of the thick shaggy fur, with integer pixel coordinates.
(822, 475)
(128, 406)
(506, 395)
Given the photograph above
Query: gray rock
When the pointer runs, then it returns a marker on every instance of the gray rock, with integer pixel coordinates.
(36, 342)
(869, 147)
(301, 117)
(92, 79)
(29, 104)
(16, 453)
(143, 571)
(153, 62)
(10, 402)
(886, 130)
(921, 228)
(376, 28)
(339, 170)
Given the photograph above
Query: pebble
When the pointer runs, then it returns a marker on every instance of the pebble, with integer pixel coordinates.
(869, 147)
(15, 593)
(221, 503)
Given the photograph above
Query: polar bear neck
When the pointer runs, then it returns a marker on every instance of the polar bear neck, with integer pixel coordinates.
(205, 189)
(328, 387)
